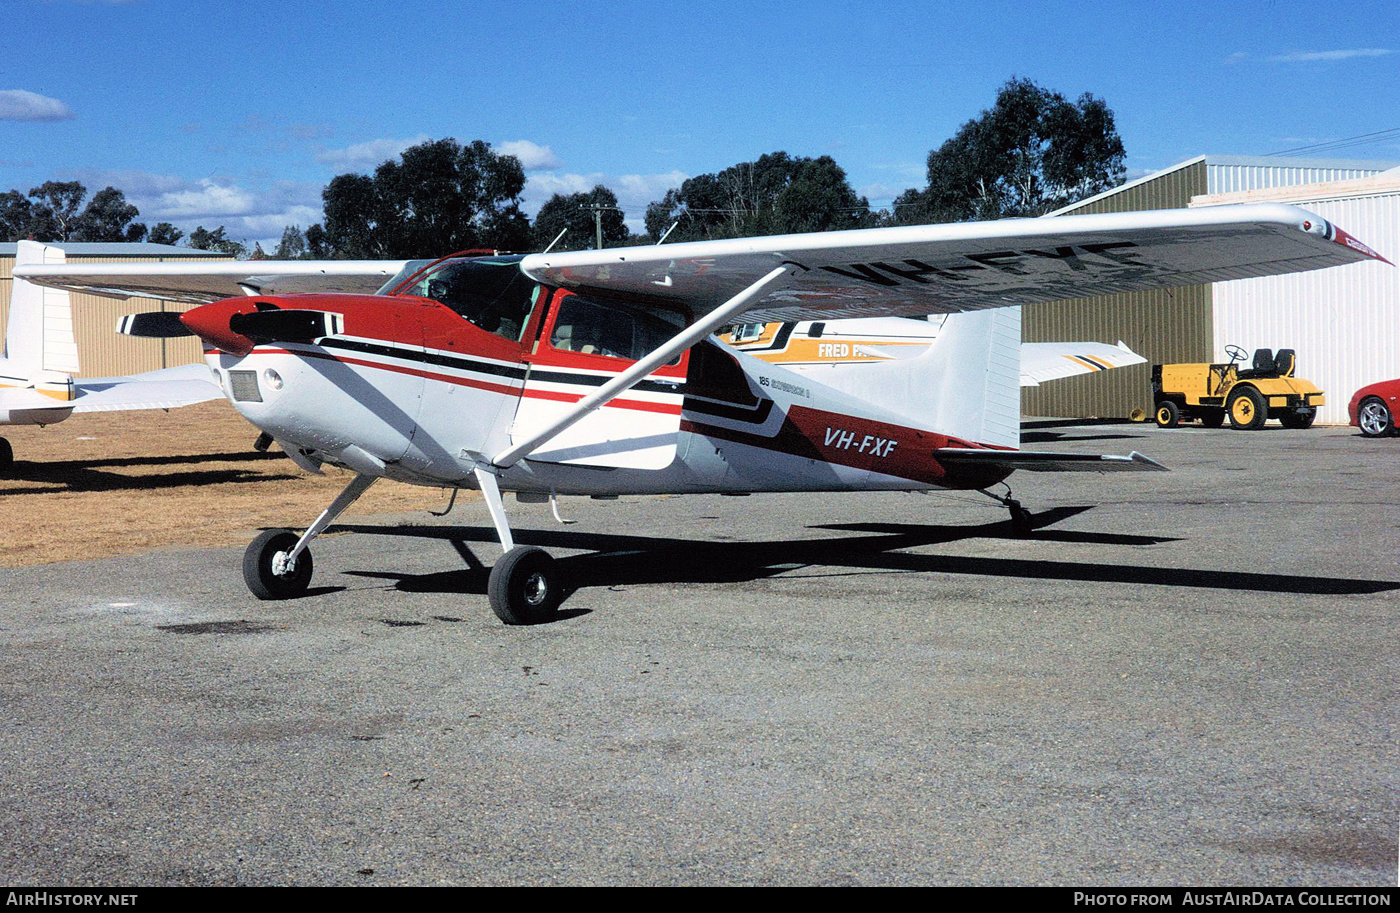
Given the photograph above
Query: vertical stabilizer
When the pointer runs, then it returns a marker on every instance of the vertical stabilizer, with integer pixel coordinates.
(39, 336)
(966, 384)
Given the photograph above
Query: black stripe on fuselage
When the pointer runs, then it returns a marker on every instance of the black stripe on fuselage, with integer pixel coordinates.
(514, 372)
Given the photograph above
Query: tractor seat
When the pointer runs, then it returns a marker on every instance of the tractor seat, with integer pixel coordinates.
(1263, 365)
(1285, 362)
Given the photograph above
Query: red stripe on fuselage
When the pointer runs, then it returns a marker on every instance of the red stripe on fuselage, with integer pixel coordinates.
(860, 443)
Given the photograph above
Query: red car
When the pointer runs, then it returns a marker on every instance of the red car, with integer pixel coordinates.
(1372, 408)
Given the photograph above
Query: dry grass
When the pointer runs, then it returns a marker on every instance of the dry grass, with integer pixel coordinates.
(114, 483)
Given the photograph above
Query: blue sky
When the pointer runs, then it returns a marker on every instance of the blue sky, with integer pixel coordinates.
(238, 113)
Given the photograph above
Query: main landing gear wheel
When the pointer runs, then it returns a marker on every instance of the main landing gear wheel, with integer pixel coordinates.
(7, 455)
(525, 587)
(1021, 525)
(265, 570)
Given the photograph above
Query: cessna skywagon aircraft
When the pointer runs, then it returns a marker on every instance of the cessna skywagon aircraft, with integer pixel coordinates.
(595, 372)
(809, 345)
(37, 386)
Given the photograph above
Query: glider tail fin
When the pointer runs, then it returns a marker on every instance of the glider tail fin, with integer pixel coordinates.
(39, 336)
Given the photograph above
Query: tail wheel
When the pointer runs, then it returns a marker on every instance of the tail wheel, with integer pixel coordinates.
(1247, 409)
(1213, 418)
(525, 587)
(1299, 419)
(265, 566)
(1168, 414)
(1374, 417)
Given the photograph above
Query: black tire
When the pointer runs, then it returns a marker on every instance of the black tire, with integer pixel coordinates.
(1374, 417)
(7, 455)
(525, 587)
(257, 566)
(1247, 409)
(1168, 414)
(1022, 523)
(1298, 420)
(1213, 418)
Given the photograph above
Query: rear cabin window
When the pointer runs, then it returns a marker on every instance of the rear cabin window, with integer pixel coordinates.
(614, 330)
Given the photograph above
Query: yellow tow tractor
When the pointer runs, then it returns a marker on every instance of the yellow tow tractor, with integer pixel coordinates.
(1209, 393)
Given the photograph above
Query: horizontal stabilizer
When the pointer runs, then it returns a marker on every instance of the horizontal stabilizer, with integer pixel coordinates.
(1042, 361)
(168, 388)
(1040, 461)
(153, 325)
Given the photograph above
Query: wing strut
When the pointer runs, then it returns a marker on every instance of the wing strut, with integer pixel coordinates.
(623, 382)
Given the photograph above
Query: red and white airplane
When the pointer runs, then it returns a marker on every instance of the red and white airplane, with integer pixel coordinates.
(596, 372)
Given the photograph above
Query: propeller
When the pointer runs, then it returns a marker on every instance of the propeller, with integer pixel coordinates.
(153, 325)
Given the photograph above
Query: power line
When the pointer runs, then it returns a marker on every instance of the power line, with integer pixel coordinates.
(1364, 139)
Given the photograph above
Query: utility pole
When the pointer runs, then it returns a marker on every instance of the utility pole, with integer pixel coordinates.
(598, 210)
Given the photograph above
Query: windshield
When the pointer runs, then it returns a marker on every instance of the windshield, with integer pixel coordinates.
(490, 292)
(409, 268)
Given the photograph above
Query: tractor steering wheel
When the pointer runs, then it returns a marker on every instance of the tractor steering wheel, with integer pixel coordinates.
(1236, 353)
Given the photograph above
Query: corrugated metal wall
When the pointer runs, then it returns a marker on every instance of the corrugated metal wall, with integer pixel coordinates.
(1343, 322)
(102, 352)
(1227, 175)
(1162, 326)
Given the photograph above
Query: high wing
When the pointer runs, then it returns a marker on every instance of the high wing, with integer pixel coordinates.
(928, 269)
(201, 283)
(1042, 361)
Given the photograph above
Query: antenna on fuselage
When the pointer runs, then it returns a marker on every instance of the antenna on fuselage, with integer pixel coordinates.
(561, 234)
(668, 232)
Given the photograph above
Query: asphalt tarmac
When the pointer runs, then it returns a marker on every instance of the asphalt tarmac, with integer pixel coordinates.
(1178, 678)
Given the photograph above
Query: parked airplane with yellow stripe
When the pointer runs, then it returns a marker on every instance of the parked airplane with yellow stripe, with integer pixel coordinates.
(813, 344)
(37, 386)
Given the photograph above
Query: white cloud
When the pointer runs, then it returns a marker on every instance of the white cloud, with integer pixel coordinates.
(634, 191)
(533, 157)
(1314, 56)
(205, 199)
(249, 214)
(368, 154)
(878, 193)
(17, 104)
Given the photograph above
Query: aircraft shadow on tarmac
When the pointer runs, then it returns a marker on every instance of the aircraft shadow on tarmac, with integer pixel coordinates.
(624, 560)
(93, 475)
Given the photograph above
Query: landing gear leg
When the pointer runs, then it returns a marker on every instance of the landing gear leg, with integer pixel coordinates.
(1020, 517)
(525, 587)
(277, 565)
